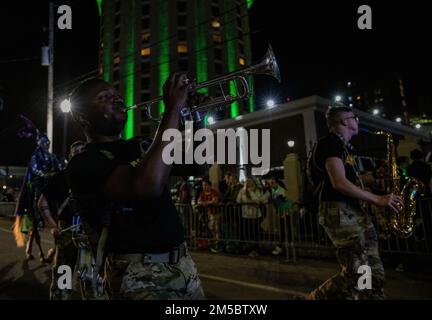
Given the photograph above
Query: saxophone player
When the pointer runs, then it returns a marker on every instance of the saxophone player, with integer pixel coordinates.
(341, 212)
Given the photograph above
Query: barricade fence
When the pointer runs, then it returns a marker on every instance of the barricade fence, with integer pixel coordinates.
(258, 229)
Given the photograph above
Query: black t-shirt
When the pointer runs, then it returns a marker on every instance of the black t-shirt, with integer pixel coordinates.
(143, 225)
(333, 146)
(56, 191)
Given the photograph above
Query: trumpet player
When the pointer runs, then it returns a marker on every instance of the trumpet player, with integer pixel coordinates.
(342, 214)
(120, 189)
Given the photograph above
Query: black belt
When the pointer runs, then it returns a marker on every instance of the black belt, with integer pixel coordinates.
(172, 257)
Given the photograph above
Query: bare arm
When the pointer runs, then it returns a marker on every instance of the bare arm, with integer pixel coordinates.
(43, 206)
(336, 171)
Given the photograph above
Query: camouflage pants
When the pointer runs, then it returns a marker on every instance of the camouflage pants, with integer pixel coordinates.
(143, 280)
(355, 239)
(65, 254)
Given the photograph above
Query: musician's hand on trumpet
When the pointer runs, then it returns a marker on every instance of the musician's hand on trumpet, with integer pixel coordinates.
(176, 91)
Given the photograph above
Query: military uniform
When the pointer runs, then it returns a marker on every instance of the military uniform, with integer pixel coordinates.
(349, 227)
(146, 257)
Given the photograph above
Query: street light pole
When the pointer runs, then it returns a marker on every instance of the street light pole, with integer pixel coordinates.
(65, 107)
(50, 108)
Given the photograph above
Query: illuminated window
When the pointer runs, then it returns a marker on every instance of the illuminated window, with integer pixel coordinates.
(145, 52)
(215, 24)
(182, 48)
(242, 61)
(358, 98)
(217, 38)
(117, 59)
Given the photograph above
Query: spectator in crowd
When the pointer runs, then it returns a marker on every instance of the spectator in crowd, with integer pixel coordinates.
(283, 208)
(234, 187)
(208, 198)
(223, 185)
(420, 170)
(184, 198)
(251, 197)
(403, 164)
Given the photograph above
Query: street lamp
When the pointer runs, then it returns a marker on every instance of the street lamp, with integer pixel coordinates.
(65, 107)
(210, 120)
(291, 144)
(398, 119)
(270, 103)
(418, 126)
(338, 98)
(375, 112)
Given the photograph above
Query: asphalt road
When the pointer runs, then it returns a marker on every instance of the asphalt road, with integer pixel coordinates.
(223, 276)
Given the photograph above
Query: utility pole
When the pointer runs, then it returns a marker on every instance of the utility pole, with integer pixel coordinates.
(50, 107)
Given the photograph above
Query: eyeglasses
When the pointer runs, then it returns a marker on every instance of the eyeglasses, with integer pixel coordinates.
(356, 118)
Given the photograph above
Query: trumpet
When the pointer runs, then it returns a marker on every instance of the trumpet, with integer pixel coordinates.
(267, 66)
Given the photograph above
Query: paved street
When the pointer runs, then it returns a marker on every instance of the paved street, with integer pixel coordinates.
(223, 276)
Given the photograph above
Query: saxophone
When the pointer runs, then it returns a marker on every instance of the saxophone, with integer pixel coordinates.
(401, 224)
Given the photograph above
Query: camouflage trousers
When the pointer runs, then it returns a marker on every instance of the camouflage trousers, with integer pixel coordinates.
(352, 233)
(144, 280)
(65, 254)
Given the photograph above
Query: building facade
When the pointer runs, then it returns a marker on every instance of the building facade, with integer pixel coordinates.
(143, 41)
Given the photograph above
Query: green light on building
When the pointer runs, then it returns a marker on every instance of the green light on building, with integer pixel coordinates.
(200, 45)
(99, 4)
(128, 69)
(164, 55)
(107, 43)
(231, 55)
(249, 3)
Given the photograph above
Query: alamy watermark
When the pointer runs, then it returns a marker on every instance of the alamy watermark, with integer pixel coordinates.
(232, 147)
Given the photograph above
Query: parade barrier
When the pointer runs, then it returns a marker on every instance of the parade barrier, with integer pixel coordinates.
(7, 209)
(250, 228)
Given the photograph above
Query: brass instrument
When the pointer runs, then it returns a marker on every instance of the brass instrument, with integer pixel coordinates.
(267, 66)
(401, 223)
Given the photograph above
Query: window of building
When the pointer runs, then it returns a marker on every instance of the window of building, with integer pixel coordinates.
(117, 6)
(181, 20)
(145, 23)
(181, 6)
(241, 48)
(145, 9)
(117, 46)
(215, 24)
(182, 35)
(116, 74)
(217, 37)
(145, 66)
(182, 48)
(218, 68)
(239, 22)
(145, 82)
(116, 59)
(145, 52)
(145, 96)
(218, 53)
(116, 85)
(242, 61)
(240, 33)
(215, 10)
(145, 36)
(117, 19)
(116, 33)
(183, 65)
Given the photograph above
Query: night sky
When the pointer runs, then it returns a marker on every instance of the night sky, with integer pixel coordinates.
(317, 44)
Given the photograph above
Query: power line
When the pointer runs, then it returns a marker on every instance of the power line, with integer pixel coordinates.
(19, 60)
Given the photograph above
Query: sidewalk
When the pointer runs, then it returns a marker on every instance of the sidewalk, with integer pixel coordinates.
(269, 278)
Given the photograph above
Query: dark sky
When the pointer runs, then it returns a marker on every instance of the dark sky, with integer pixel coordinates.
(317, 45)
